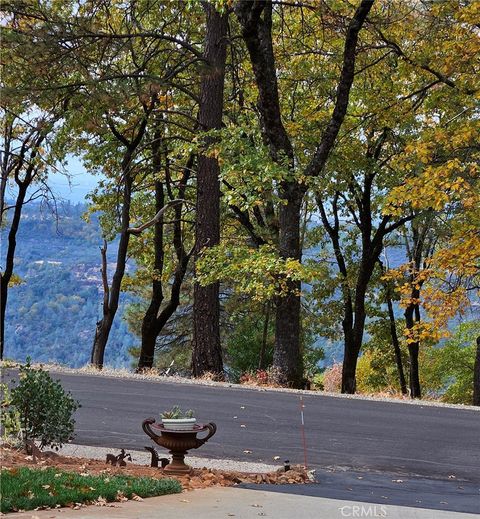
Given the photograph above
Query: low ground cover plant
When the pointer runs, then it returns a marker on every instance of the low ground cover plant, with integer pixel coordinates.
(26, 489)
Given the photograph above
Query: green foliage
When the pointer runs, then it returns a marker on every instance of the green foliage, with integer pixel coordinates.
(244, 345)
(10, 417)
(45, 410)
(254, 327)
(257, 272)
(376, 369)
(27, 489)
(448, 370)
(176, 413)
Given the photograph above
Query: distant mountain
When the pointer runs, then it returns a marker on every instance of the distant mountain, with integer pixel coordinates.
(51, 316)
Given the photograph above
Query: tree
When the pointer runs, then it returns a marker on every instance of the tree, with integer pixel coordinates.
(29, 152)
(111, 293)
(255, 19)
(207, 352)
(393, 79)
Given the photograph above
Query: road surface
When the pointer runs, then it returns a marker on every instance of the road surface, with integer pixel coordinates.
(430, 441)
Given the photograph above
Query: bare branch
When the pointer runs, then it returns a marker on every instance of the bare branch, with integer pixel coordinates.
(157, 217)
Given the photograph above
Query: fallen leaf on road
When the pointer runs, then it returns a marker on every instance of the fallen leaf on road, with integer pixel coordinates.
(243, 425)
(184, 501)
(242, 407)
(276, 458)
(136, 498)
(247, 451)
(397, 480)
(257, 506)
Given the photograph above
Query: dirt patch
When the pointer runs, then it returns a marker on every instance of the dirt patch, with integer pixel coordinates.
(199, 478)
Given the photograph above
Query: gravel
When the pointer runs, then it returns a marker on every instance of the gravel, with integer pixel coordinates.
(144, 457)
(154, 377)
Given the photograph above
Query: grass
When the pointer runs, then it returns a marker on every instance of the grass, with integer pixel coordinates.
(26, 489)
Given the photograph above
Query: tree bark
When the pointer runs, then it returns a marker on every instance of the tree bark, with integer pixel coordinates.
(207, 351)
(287, 356)
(112, 295)
(149, 323)
(354, 325)
(23, 161)
(396, 344)
(154, 319)
(413, 350)
(476, 376)
(6, 276)
(393, 334)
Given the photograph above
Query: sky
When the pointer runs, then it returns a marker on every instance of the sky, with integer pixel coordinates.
(77, 186)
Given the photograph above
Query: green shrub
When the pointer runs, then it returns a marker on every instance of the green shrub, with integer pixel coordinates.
(44, 409)
(10, 417)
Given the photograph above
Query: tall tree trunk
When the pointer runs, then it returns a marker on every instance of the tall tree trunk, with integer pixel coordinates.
(354, 320)
(287, 358)
(413, 350)
(6, 276)
(149, 323)
(349, 366)
(353, 344)
(393, 333)
(207, 351)
(476, 376)
(112, 295)
(396, 344)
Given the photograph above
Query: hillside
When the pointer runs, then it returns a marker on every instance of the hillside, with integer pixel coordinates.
(51, 316)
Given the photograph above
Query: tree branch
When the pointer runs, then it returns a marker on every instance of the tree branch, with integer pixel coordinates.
(157, 217)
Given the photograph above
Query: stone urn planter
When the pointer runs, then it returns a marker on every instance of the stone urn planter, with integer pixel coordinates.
(178, 442)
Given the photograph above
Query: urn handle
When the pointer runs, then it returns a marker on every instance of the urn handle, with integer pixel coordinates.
(212, 429)
(146, 427)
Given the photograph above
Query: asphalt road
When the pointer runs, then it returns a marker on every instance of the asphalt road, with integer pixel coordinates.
(429, 441)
